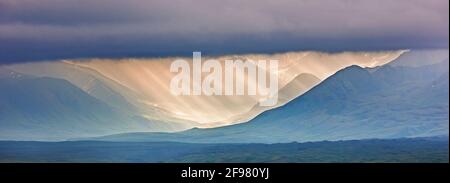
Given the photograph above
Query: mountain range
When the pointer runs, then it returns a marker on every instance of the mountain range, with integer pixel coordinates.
(355, 103)
(59, 100)
(142, 86)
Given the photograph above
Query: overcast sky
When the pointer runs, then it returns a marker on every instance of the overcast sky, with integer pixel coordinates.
(55, 29)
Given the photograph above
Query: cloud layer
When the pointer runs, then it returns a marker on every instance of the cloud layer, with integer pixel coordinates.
(52, 29)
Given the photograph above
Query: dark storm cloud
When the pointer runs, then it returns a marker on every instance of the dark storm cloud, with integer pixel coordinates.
(54, 29)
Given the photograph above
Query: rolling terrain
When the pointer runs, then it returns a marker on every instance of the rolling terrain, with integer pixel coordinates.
(419, 150)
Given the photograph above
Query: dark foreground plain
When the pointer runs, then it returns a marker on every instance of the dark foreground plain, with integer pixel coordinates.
(412, 150)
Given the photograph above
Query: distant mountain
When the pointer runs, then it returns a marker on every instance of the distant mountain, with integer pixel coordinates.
(108, 91)
(355, 103)
(44, 108)
(298, 86)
